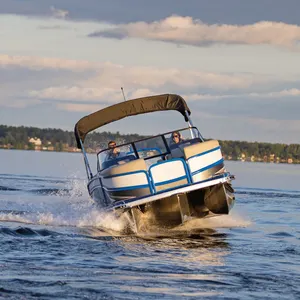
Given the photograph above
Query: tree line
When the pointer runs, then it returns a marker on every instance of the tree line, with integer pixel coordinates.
(265, 151)
(60, 140)
(18, 138)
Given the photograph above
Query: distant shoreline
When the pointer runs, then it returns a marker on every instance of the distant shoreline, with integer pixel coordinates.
(58, 140)
(94, 153)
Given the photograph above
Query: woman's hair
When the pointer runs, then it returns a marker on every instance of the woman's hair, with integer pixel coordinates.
(176, 133)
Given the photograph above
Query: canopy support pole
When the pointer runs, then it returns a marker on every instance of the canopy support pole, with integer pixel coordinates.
(86, 162)
(191, 129)
(190, 124)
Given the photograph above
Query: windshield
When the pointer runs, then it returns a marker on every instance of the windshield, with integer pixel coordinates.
(116, 156)
(150, 149)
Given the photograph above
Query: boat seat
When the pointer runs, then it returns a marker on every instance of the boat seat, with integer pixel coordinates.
(204, 159)
(117, 161)
(177, 149)
(176, 152)
(169, 174)
(126, 181)
(131, 166)
(199, 148)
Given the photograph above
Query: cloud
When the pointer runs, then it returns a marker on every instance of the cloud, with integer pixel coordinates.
(80, 82)
(114, 76)
(279, 105)
(53, 27)
(77, 93)
(249, 128)
(145, 77)
(75, 107)
(85, 96)
(16, 100)
(189, 31)
(284, 93)
(284, 108)
(229, 11)
(293, 92)
(140, 93)
(39, 63)
(85, 86)
(59, 13)
(106, 74)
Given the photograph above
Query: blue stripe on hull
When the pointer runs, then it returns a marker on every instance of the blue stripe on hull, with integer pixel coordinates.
(127, 188)
(208, 167)
(170, 181)
(205, 152)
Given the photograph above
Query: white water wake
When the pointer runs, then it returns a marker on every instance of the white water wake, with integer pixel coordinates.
(75, 208)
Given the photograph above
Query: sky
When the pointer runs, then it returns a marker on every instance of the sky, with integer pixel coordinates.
(235, 62)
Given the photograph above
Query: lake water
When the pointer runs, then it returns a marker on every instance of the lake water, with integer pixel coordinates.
(54, 244)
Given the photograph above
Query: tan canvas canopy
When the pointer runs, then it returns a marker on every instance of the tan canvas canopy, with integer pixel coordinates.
(126, 109)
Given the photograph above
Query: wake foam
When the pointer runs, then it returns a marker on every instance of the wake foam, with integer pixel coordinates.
(71, 205)
(222, 221)
(13, 217)
(195, 228)
(67, 206)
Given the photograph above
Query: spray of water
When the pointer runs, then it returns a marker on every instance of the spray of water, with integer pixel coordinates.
(12, 217)
(223, 221)
(71, 206)
(66, 206)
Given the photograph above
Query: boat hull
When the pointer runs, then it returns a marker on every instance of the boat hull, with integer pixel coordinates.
(170, 209)
(177, 209)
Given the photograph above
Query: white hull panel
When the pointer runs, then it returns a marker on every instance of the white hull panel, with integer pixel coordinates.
(198, 186)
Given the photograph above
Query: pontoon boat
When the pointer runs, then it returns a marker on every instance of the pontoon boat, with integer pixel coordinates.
(156, 181)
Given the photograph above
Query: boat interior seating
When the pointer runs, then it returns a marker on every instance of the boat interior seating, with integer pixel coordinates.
(169, 174)
(177, 150)
(130, 166)
(118, 161)
(199, 148)
(204, 160)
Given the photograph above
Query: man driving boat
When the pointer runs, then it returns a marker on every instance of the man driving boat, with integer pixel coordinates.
(114, 152)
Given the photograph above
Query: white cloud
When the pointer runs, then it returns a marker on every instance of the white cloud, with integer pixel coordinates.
(113, 75)
(40, 63)
(100, 83)
(82, 94)
(77, 93)
(249, 128)
(109, 96)
(59, 13)
(140, 93)
(271, 95)
(284, 93)
(75, 107)
(145, 77)
(186, 30)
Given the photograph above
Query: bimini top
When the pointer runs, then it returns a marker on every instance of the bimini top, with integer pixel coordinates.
(126, 109)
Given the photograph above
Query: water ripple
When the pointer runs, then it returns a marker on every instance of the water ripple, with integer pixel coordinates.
(26, 231)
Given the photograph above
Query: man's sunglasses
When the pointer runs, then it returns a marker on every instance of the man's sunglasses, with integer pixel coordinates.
(112, 145)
